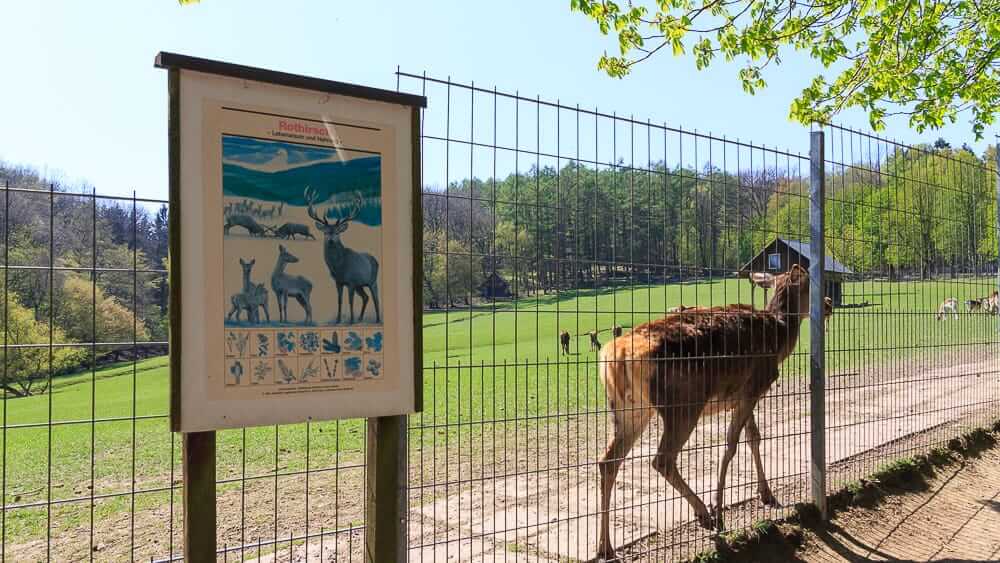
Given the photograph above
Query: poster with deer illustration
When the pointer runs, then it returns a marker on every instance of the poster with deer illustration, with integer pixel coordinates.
(302, 246)
(296, 254)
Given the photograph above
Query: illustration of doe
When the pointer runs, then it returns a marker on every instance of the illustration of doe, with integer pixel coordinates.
(348, 268)
(286, 286)
(250, 299)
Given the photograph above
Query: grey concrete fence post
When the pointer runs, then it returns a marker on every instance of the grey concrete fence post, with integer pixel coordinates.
(817, 345)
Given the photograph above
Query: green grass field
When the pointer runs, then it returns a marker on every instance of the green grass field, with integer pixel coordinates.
(485, 364)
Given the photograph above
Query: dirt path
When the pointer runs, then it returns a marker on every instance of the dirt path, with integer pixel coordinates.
(956, 518)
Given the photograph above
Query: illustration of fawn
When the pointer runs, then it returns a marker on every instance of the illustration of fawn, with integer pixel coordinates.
(286, 286)
(252, 297)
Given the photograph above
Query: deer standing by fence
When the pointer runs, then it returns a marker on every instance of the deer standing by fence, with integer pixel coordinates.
(286, 286)
(349, 268)
(691, 364)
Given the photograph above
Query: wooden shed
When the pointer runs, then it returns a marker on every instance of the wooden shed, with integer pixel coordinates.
(781, 254)
(495, 287)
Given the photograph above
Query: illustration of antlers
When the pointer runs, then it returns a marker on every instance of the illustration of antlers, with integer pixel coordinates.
(311, 197)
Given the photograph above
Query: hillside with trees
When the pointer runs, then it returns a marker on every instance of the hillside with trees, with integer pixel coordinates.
(916, 213)
(62, 309)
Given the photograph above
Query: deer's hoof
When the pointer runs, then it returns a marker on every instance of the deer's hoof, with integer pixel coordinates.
(715, 515)
(606, 554)
(707, 521)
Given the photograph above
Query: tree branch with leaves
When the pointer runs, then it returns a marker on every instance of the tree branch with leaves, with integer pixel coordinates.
(930, 60)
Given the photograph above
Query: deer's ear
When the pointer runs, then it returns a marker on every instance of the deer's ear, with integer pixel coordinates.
(242, 263)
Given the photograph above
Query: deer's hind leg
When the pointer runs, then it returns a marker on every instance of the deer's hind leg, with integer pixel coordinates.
(373, 288)
(364, 304)
(629, 421)
(679, 420)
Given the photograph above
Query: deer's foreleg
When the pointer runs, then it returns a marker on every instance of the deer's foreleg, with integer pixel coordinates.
(753, 439)
(340, 299)
(350, 301)
(629, 421)
(743, 411)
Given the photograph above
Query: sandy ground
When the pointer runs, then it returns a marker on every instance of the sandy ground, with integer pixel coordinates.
(548, 511)
(957, 518)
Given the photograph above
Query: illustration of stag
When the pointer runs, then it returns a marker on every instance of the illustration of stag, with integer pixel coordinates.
(251, 298)
(348, 268)
(253, 228)
(286, 286)
(289, 230)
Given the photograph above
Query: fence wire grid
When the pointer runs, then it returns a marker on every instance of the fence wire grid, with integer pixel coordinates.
(549, 229)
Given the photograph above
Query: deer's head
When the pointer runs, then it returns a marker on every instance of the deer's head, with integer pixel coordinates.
(331, 231)
(247, 266)
(285, 256)
(791, 292)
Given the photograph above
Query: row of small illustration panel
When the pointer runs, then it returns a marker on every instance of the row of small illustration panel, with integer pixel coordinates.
(286, 343)
(303, 369)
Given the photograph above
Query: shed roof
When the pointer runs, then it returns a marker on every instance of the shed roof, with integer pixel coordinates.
(831, 265)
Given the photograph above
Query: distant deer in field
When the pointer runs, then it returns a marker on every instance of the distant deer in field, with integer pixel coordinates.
(286, 286)
(948, 306)
(564, 342)
(595, 344)
(974, 305)
(349, 268)
(692, 364)
(991, 304)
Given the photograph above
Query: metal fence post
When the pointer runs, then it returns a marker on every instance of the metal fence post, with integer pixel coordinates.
(385, 524)
(996, 226)
(817, 350)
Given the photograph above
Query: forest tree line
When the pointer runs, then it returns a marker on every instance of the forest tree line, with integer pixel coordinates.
(920, 212)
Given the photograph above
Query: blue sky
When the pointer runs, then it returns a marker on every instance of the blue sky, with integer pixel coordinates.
(80, 98)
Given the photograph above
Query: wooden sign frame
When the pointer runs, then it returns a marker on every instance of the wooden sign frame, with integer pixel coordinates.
(220, 113)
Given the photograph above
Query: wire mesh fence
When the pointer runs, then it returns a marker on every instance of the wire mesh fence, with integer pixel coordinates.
(912, 355)
(582, 224)
(90, 470)
(550, 231)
